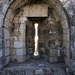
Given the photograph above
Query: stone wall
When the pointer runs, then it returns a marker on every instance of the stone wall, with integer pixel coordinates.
(69, 5)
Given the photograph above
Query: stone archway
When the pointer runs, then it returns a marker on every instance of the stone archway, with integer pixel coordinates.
(58, 13)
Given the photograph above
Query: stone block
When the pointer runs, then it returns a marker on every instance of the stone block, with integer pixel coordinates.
(53, 59)
(22, 26)
(20, 52)
(1, 54)
(7, 51)
(19, 44)
(38, 10)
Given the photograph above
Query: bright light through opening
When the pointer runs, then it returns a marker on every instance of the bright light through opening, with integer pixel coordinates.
(36, 52)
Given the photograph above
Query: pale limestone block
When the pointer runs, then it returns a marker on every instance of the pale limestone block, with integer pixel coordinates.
(22, 26)
(19, 44)
(38, 10)
(21, 51)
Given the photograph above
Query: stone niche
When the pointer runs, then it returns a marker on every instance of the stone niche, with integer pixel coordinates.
(22, 33)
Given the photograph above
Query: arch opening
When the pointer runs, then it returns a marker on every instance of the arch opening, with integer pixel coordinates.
(54, 36)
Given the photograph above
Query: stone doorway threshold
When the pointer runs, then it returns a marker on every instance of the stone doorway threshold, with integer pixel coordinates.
(34, 67)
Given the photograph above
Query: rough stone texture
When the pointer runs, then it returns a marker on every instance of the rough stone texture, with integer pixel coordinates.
(39, 72)
(69, 5)
(29, 68)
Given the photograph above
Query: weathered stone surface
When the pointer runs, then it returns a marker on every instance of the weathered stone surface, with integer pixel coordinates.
(36, 10)
(19, 44)
(48, 71)
(29, 72)
(20, 51)
(44, 56)
(39, 72)
(19, 58)
(69, 5)
(59, 72)
(7, 43)
(73, 64)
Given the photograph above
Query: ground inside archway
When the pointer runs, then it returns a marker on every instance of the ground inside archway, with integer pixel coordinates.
(34, 67)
